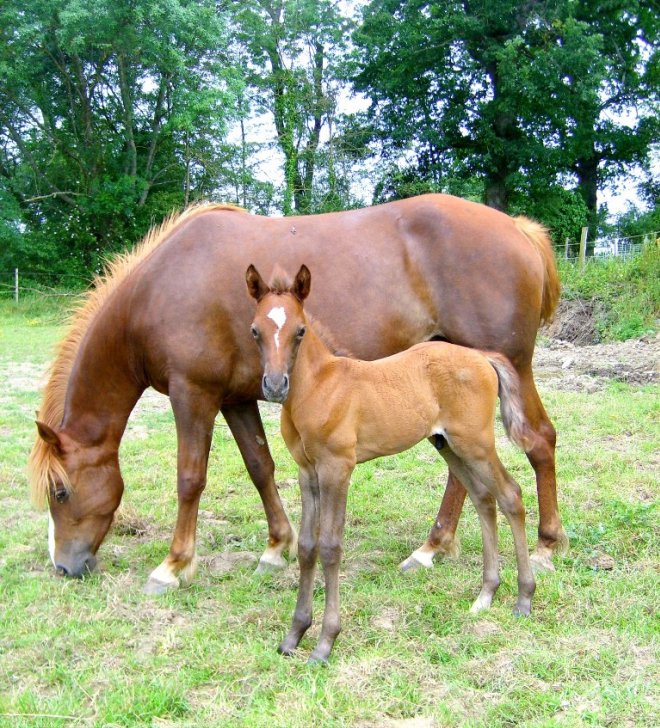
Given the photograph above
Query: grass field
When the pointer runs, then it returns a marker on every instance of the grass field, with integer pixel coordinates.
(100, 652)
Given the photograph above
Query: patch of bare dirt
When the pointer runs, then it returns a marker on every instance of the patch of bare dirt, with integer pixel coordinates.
(570, 358)
(569, 367)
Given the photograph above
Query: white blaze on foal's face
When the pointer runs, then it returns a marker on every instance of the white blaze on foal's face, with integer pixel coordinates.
(278, 316)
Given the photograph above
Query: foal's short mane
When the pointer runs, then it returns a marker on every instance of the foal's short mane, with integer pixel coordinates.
(44, 468)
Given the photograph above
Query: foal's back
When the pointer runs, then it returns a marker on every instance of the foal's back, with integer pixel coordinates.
(388, 405)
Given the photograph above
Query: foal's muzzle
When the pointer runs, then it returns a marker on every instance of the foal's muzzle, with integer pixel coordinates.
(275, 387)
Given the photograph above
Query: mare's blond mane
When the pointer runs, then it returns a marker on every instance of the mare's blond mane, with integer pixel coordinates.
(44, 467)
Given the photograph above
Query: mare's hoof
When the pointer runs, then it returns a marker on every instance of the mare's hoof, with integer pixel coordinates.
(541, 563)
(317, 660)
(523, 611)
(417, 560)
(270, 564)
(154, 587)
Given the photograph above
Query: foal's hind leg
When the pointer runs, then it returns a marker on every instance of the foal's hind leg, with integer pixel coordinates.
(552, 537)
(484, 502)
(194, 413)
(489, 473)
(245, 424)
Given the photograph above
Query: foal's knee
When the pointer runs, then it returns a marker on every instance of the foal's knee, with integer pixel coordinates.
(330, 551)
(307, 548)
(511, 501)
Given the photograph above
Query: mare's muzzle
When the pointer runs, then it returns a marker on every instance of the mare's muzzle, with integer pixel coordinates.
(275, 387)
(77, 565)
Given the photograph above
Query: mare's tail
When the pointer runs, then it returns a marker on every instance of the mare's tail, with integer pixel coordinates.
(511, 406)
(539, 238)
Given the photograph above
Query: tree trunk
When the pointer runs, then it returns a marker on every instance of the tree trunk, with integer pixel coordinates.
(586, 169)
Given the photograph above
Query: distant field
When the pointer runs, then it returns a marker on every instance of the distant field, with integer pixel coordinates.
(101, 653)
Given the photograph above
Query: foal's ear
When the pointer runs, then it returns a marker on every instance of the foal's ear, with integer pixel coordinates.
(302, 283)
(255, 284)
(48, 435)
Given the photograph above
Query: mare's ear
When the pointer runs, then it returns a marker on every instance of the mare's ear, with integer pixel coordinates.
(302, 283)
(255, 283)
(48, 435)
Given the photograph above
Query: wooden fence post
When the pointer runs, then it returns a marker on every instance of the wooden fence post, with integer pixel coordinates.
(583, 246)
(16, 285)
(566, 247)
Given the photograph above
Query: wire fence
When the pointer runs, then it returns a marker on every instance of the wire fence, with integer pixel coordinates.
(613, 246)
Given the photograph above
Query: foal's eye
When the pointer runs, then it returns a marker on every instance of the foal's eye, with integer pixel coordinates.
(254, 331)
(301, 332)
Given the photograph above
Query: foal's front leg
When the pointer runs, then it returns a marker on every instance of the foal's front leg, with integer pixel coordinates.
(334, 478)
(308, 548)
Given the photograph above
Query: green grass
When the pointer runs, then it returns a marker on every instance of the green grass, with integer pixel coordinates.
(100, 652)
(626, 292)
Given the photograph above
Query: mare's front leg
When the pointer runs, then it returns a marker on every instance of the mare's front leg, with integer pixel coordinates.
(247, 428)
(194, 412)
(334, 476)
(308, 549)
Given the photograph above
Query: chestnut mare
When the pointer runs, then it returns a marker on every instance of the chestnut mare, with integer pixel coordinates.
(174, 315)
(338, 411)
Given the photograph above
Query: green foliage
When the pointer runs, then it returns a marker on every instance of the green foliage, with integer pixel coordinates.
(512, 94)
(627, 292)
(110, 116)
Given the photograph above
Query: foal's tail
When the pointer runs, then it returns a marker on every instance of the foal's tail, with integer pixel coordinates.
(511, 406)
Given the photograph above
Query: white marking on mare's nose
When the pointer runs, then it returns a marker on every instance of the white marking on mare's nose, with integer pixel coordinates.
(278, 315)
(51, 538)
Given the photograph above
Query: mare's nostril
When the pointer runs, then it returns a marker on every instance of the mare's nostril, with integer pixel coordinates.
(61, 570)
(286, 380)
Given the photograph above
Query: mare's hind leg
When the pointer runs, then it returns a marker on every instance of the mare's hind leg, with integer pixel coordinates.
(245, 424)
(194, 412)
(442, 539)
(552, 537)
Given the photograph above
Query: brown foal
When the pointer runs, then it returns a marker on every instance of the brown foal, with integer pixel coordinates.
(339, 411)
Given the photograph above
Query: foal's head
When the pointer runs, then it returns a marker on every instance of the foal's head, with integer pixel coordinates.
(278, 327)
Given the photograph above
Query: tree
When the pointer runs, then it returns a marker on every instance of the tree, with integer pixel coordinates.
(509, 92)
(110, 116)
(292, 48)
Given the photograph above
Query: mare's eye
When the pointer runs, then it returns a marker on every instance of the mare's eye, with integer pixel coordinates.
(61, 495)
(301, 332)
(254, 331)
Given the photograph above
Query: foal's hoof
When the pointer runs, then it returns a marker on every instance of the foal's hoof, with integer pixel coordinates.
(318, 660)
(522, 610)
(155, 587)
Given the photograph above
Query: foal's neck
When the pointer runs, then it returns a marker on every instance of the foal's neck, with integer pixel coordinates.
(313, 355)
